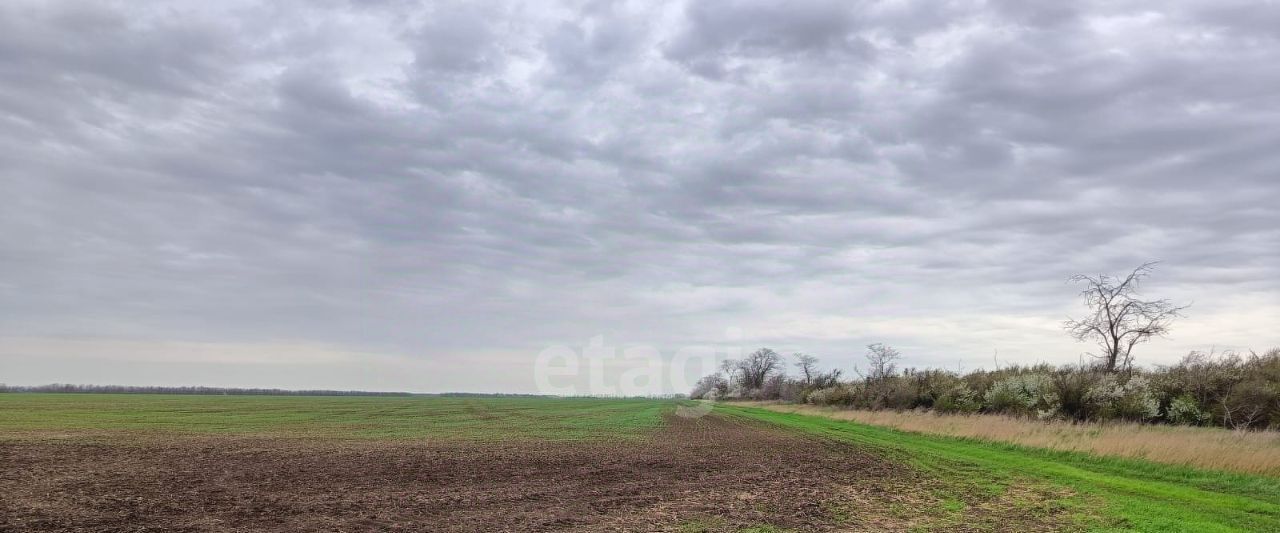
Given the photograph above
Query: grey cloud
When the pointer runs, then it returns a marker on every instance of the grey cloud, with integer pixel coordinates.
(719, 31)
(456, 39)
(447, 181)
(588, 50)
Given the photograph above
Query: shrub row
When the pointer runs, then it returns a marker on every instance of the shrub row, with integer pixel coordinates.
(1230, 390)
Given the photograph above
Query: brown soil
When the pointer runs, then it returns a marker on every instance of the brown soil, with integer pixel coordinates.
(697, 474)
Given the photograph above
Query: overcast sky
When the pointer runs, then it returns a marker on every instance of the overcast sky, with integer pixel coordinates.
(424, 195)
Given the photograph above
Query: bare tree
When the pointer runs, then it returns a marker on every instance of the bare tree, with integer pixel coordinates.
(1120, 320)
(830, 378)
(710, 387)
(882, 360)
(808, 366)
(752, 370)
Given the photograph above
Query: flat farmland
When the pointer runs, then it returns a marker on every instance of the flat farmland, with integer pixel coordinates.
(328, 417)
(102, 462)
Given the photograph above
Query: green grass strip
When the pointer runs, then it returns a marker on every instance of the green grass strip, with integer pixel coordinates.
(1134, 495)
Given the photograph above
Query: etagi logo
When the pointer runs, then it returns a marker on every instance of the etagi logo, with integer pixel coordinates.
(598, 369)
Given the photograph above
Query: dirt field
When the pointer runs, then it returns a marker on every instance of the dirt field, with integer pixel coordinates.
(708, 474)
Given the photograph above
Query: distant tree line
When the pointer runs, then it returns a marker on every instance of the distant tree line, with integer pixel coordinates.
(530, 395)
(232, 391)
(229, 391)
(1230, 389)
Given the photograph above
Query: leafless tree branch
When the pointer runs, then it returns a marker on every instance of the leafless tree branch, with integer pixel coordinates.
(1119, 319)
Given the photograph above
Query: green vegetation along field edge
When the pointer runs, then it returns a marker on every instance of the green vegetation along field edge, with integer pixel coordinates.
(1129, 494)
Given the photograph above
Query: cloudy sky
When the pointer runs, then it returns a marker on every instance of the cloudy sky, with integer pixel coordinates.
(424, 195)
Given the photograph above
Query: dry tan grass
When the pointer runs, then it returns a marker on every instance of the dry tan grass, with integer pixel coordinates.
(1256, 452)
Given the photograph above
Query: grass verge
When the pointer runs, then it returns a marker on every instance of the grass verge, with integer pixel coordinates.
(1129, 494)
(1252, 452)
